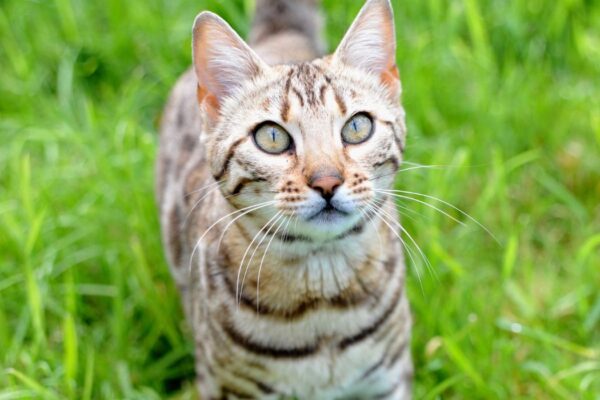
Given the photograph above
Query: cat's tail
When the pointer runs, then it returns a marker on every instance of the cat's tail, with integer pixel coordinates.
(280, 17)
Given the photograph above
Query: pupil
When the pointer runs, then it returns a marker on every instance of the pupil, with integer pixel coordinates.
(354, 125)
(273, 134)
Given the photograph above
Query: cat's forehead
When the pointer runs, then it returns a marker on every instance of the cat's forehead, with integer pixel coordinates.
(306, 85)
(315, 90)
(316, 87)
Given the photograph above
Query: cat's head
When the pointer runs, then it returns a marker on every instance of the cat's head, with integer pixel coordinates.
(311, 141)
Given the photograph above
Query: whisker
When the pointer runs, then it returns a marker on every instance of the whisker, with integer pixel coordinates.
(237, 283)
(252, 207)
(219, 185)
(423, 256)
(264, 236)
(378, 214)
(371, 219)
(446, 165)
(415, 166)
(204, 187)
(391, 193)
(465, 214)
(407, 210)
(408, 250)
(263, 260)
(236, 218)
(197, 203)
(383, 175)
(292, 217)
(421, 167)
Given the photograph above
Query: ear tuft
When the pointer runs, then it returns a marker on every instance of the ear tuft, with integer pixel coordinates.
(222, 60)
(370, 43)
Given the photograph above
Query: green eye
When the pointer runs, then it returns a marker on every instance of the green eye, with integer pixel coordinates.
(272, 138)
(357, 129)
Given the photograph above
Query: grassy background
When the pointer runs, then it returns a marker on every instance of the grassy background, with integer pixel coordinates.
(502, 98)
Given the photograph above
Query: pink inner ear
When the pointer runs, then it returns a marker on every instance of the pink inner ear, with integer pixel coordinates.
(391, 75)
(391, 79)
(208, 101)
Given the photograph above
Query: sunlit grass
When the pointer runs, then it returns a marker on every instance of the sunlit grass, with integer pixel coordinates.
(503, 101)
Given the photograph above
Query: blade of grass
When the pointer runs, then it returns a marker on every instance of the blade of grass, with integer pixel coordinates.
(37, 387)
(463, 362)
(548, 338)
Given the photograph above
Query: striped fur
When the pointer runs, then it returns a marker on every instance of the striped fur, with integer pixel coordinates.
(280, 304)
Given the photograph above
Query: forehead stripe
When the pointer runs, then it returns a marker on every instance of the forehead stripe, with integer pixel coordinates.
(339, 101)
(322, 91)
(285, 105)
(299, 95)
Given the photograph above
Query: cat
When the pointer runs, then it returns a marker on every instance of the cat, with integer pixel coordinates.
(271, 176)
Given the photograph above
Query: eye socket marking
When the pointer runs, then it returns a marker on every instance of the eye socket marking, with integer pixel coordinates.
(272, 138)
(357, 129)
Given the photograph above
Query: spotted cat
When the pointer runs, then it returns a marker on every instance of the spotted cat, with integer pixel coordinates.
(271, 176)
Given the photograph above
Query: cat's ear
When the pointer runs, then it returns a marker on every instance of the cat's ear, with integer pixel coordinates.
(370, 43)
(222, 60)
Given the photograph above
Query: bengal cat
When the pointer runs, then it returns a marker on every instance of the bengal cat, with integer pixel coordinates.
(270, 174)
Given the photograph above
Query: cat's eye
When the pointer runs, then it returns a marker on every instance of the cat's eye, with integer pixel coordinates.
(358, 129)
(272, 138)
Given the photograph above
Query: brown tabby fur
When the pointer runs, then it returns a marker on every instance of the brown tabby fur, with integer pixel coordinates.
(309, 312)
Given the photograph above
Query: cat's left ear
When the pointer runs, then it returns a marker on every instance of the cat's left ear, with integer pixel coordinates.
(370, 44)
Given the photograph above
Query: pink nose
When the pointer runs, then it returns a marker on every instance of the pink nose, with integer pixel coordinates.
(326, 185)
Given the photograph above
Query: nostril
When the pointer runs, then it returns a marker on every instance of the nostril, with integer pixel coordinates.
(327, 196)
(326, 185)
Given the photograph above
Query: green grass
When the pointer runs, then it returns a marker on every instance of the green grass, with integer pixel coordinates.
(502, 98)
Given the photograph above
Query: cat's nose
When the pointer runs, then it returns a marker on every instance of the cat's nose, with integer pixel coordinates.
(326, 185)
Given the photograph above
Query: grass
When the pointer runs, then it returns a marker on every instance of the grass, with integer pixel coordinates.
(503, 101)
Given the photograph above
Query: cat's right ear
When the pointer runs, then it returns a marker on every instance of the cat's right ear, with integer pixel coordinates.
(222, 60)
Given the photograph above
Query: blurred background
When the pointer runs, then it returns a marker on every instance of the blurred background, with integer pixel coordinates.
(503, 112)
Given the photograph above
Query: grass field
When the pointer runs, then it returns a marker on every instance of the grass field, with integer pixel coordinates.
(503, 102)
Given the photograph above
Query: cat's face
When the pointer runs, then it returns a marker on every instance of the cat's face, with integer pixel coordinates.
(311, 143)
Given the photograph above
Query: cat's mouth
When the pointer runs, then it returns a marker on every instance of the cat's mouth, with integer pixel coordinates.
(328, 214)
(326, 223)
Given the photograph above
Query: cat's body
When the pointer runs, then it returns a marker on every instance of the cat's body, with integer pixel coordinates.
(311, 306)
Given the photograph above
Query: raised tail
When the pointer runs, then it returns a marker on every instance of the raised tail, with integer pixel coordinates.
(276, 19)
